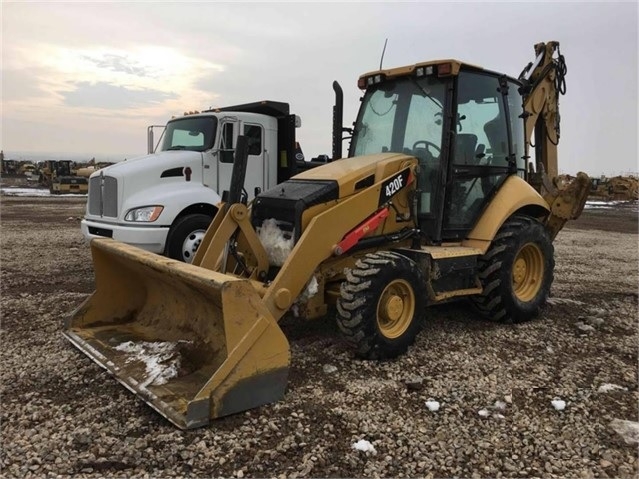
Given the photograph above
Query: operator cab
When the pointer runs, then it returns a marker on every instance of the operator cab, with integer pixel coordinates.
(461, 122)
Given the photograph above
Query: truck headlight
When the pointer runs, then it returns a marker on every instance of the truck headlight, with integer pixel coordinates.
(145, 214)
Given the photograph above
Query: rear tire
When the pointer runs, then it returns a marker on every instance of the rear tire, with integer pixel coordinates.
(185, 236)
(381, 305)
(516, 272)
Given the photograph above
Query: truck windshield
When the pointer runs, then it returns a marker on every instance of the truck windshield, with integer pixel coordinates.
(195, 134)
(401, 116)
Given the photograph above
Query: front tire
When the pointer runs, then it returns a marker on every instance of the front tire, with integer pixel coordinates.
(516, 272)
(185, 236)
(381, 305)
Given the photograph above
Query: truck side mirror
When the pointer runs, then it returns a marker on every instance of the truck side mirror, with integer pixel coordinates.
(226, 156)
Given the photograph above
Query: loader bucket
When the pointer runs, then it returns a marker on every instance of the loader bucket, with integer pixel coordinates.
(193, 343)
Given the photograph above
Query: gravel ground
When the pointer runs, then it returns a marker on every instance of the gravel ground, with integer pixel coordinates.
(63, 415)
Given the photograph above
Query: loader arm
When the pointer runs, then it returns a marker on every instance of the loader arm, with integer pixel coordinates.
(543, 82)
(318, 242)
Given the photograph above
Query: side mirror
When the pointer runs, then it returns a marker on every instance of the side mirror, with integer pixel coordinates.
(226, 156)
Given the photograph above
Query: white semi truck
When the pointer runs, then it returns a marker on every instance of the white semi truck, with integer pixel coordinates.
(164, 201)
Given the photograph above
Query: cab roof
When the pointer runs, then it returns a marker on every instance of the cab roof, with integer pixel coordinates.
(455, 67)
(410, 69)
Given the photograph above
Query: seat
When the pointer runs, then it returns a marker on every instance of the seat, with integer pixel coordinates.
(465, 145)
(496, 133)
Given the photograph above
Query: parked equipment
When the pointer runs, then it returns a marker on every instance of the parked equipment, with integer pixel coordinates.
(60, 178)
(618, 188)
(435, 201)
(8, 168)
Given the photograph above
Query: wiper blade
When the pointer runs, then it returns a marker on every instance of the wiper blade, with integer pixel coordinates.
(426, 94)
(177, 147)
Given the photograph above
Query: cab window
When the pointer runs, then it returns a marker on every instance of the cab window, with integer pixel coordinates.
(480, 145)
(253, 134)
(227, 150)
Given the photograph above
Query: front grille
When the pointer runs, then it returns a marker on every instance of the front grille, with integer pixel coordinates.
(110, 197)
(103, 196)
(95, 192)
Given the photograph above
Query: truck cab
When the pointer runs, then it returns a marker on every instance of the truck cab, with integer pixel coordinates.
(163, 202)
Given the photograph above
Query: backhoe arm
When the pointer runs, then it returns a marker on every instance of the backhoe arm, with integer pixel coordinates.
(543, 82)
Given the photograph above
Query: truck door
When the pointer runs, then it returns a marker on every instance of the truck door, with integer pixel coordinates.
(256, 172)
(256, 167)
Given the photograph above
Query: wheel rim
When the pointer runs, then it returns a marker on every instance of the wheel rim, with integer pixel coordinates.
(528, 272)
(191, 244)
(396, 308)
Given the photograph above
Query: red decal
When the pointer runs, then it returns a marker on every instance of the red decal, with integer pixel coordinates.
(187, 173)
(353, 236)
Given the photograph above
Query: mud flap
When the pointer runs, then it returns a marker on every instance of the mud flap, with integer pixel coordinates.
(193, 343)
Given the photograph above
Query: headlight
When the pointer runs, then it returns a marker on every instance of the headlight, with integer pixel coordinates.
(145, 214)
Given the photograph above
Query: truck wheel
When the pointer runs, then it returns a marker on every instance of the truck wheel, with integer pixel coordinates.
(516, 272)
(186, 235)
(381, 305)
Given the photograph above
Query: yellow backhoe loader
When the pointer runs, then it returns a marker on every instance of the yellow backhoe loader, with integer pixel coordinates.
(60, 178)
(436, 200)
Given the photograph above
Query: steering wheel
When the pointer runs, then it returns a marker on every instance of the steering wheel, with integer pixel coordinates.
(427, 143)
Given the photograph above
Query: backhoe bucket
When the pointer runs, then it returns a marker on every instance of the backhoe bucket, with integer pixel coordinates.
(193, 343)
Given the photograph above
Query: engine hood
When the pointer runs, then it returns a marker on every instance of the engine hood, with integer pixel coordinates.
(154, 166)
(352, 174)
(151, 180)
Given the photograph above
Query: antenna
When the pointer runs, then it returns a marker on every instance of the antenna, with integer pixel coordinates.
(381, 60)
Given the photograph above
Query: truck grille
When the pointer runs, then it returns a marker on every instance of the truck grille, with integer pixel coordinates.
(95, 193)
(103, 196)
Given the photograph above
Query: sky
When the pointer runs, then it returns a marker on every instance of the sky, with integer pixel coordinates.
(85, 79)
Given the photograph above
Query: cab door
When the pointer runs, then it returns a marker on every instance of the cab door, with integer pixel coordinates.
(255, 168)
(482, 153)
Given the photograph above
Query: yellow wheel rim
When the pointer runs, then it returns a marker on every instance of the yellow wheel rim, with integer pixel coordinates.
(395, 308)
(528, 272)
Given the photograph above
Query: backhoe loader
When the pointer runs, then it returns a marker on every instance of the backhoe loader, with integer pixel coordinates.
(437, 199)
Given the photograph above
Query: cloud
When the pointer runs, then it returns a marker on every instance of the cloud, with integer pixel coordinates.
(22, 84)
(109, 96)
(120, 63)
(130, 65)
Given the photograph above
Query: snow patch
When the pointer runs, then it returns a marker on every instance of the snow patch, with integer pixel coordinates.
(432, 405)
(364, 445)
(500, 405)
(628, 430)
(311, 290)
(161, 359)
(13, 191)
(555, 301)
(276, 243)
(329, 368)
(608, 387)
(558, 404)
(586, 328)
(484, 412)
(602, 204)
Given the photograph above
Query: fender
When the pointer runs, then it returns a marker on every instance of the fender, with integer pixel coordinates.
(173, 200)
(514, 195)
